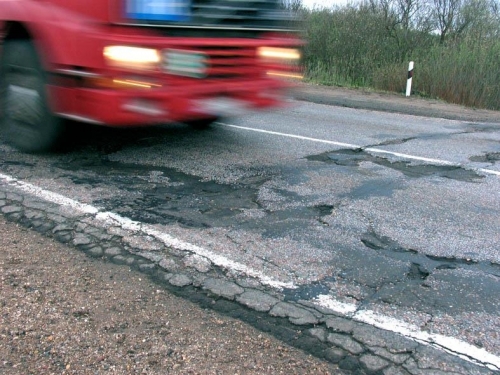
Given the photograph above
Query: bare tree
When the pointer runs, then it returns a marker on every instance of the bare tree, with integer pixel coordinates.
(405, 14)
(292, 5)
(446, 13)
(407, 22)
(479, 19)
(406, 11)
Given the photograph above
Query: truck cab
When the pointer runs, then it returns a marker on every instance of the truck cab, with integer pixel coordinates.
(137, 63)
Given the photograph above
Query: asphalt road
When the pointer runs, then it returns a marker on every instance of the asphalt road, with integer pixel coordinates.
(382, 218)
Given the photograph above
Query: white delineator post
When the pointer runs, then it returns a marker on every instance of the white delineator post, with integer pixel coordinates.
(410, 76)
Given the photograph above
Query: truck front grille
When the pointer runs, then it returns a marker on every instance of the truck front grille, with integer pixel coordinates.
(215, 62)
(231, 62)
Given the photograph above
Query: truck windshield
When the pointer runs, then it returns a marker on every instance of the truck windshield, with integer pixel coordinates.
(213, 14)
(158, 10)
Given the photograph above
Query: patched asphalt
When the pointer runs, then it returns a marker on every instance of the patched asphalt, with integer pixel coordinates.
(354, 346)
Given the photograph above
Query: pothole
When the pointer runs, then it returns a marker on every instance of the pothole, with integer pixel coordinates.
(353, 158)
(486, 158)
(417, 272)
(425, 262)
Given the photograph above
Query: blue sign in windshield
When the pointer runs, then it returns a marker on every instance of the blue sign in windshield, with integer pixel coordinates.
(158, 10)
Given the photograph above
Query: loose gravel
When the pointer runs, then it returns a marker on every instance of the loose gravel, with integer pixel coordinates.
(65, 313)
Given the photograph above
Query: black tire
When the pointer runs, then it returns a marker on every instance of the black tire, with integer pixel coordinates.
(202, 124)
(26, 122)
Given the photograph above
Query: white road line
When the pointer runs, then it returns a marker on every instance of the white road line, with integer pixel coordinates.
(49, 196)
(110, 218)
(368, 149)
(449, 344)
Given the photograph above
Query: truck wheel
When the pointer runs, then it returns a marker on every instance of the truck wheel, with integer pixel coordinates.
(27, 122)
(203, 123)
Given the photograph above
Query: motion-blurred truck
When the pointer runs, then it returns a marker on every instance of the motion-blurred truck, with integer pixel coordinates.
(137, 62)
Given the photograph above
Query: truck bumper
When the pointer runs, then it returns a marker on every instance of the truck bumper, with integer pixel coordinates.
(157, 105)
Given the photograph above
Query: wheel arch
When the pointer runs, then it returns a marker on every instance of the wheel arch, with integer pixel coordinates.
(15, 30)
(20, 30)
(35, 21)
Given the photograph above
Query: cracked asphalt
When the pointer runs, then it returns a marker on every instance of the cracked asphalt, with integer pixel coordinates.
(384, 213)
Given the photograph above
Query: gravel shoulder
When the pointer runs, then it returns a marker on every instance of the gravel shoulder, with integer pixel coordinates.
(392, 102)
(65, 313)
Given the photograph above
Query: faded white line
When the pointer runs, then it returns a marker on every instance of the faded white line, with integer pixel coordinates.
(449, 344)
(110, 218)
(368, 149)
(49, 196)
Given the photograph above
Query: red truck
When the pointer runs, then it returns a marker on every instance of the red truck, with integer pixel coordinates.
(137, 62)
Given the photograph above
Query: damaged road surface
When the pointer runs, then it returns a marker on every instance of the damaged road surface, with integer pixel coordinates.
(374, 236)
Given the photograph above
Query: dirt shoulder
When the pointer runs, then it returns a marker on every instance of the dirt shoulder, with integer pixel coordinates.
(391, 102)
(65, 313)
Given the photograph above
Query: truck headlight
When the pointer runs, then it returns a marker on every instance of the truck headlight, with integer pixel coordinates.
(132, 57)
(272, 53)
(281, 62)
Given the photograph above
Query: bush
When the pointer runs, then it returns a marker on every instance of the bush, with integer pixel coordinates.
(370, 46)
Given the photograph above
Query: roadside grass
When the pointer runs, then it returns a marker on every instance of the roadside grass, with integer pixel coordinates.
(355, 47)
